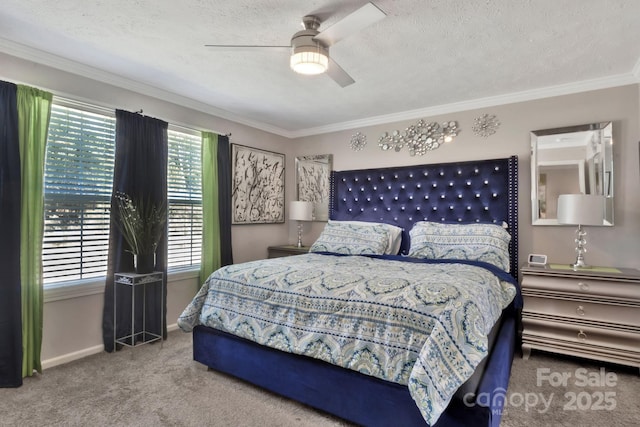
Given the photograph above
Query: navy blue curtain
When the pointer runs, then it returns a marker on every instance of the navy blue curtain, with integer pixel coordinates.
(140, 171)
(224, 203)
(10, 199)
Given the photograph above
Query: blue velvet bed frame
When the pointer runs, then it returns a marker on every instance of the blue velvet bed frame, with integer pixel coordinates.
(483, 191)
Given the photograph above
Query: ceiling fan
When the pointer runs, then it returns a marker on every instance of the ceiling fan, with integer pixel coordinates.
(310, 47)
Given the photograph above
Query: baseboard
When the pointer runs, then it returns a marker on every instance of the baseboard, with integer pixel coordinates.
(70, 357)
(76, 355)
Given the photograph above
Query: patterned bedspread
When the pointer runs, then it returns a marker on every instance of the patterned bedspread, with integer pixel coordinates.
(420, 324)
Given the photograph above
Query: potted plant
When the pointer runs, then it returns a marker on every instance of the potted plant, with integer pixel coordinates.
(142, 224)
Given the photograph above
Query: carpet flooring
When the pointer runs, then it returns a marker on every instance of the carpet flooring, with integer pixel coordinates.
(154, 386)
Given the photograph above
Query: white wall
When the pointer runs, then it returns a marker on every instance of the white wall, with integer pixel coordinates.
(73, 325)
(618, 245)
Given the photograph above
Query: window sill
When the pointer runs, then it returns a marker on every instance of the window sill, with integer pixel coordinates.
(87, 287)
(74, 289)
(183, 274)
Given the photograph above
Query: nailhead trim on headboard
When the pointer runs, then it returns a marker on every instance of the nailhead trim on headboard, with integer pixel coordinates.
(480, 191)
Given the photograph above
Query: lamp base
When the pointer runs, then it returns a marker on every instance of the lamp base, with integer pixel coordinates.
(299, 234)
(577, 266)
(581, 249)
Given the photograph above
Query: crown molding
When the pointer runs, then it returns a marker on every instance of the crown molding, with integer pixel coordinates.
(635, 72)
(492, 101)
(41, 57)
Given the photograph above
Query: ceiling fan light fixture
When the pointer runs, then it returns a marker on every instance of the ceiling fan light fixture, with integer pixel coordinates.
(312, 61)
(308, 56)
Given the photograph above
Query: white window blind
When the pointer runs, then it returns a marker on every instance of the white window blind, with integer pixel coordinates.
(78, 185)
(77, 192)
(184, 193)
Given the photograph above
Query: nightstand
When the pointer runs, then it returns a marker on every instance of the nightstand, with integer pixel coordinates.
(592, 313)
(286, 250)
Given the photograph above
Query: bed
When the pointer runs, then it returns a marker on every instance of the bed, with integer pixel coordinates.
(387, 388)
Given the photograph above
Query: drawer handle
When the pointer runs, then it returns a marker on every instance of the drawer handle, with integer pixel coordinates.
(580, 310)
(583, 286)
(582, 335)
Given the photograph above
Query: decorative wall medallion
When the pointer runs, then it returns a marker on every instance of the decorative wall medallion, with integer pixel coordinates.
(358, 141)
(485, 125)
(419, 138)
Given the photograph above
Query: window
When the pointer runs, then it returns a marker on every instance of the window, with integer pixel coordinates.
(184, 193)
(78, 181)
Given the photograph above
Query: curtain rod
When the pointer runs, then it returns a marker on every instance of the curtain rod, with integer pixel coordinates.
(111, 112)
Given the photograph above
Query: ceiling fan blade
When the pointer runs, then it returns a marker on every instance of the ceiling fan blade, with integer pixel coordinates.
(240, 47)
(351, 24)
(339, 75)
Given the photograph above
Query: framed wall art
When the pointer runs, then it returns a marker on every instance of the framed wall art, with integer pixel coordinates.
(257, 192)
(312, 183)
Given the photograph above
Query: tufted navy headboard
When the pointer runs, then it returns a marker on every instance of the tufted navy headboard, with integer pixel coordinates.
(481, 191)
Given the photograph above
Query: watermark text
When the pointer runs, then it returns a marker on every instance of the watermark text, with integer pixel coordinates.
(600, 399)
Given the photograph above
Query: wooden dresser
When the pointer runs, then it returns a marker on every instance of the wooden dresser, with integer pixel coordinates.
(592, 313)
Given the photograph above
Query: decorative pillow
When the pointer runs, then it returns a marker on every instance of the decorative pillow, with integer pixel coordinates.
(474, 241)
(395, 234)
(352, 239)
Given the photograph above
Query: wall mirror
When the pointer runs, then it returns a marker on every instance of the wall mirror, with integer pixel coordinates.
(312, 183)
(571, 160)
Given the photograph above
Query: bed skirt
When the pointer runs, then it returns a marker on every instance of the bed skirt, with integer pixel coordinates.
(350, 395)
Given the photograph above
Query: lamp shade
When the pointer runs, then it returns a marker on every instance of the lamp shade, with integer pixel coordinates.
(301, 211)
(309, 62)
(580, 209)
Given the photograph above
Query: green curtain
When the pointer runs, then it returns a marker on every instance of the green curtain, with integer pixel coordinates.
(211, 259)
(34, 111)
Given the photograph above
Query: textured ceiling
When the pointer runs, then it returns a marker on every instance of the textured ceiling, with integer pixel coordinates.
(425, 56)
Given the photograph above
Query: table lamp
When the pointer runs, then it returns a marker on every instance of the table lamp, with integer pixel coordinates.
(580, 209)
(300, 211)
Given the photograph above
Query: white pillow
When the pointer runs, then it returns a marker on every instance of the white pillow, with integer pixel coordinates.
(395, 234)
(351, 239)
(473, 241)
